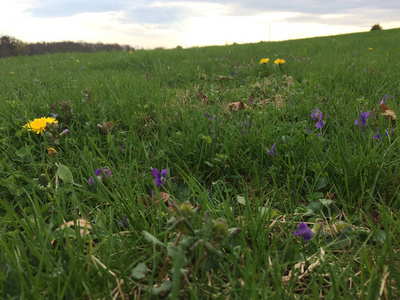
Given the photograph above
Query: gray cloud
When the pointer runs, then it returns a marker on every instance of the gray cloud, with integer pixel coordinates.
(142, 10)
(156, 15)
(66, 8)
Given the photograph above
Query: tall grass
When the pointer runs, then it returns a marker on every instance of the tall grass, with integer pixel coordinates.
(134, 112)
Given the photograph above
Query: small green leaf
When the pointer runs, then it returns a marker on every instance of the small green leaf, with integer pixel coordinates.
(207, 139)
(241, 200)
(314, 206)
(177, 255)
(46, 207)
(101, 220)
(139, 272)
(152, 239)
(325, 202)
(65, 173)
(209, 164)
(378, 236)
(163, 288)
(320, 184)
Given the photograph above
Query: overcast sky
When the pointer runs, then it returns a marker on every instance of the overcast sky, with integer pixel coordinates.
(168, 23)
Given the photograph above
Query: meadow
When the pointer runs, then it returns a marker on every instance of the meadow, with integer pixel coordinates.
(254, 171)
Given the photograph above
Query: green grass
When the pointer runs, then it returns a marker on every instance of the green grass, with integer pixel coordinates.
(239, 242)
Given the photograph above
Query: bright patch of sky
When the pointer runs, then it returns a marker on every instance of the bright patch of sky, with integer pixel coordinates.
(164, 23)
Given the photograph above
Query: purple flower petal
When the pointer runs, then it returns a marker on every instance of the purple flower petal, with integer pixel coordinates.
(305, 232)
(107, 172)
(272, 150)
(159, 179)
(320, 124)
(91, 181)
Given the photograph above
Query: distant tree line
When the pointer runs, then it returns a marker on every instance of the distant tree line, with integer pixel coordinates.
(10, 46)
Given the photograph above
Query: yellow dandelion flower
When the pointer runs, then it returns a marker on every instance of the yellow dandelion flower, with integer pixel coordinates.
(78, 60)
(264, 61)
(38, 125)
(130, 52)
(51, 151)
(370, 49)
(51, 67)
(12, 73)
(279, 61)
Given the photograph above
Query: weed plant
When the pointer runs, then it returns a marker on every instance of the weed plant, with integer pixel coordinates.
(266, 185)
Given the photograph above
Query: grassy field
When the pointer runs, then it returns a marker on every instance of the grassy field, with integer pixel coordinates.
(249, 158)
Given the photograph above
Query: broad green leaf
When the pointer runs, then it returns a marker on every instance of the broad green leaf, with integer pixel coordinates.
(177, 255)
(139, 272)
(65, 173)
(152, 239)
(325, 202)
(207, 139)
(378, 236)
(163, 288)
(241, 200)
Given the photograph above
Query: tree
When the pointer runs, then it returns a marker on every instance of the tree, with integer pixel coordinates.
(7, 46)
(376, 27)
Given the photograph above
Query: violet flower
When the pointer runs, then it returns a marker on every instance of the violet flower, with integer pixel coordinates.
(107, 172)
(272, 150)
(64, 131)
(384, 99)
(363, 119)
(317, 117)
(124, 222)
(91, 181)
(159, 179)
(305, 232)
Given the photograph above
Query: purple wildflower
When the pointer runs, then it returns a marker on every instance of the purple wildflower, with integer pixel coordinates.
(272, 150)
(53, 115)
(387, 132)
(91, 181)
(123, 222)
(378, 136)
(64, 131)
(320, 124)
(107, 172)
(317, 117)
(363, 119)
(251, 101)
(305, 232)
(159, 179)
(122, 148)
(208, 116)
(384, 98)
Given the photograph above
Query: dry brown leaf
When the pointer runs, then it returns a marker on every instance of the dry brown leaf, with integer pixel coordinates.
(223, 78)
(386, 111)
(83, 223)
(149, 201)
(204, 98)
(265, 102)
(237, 106)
